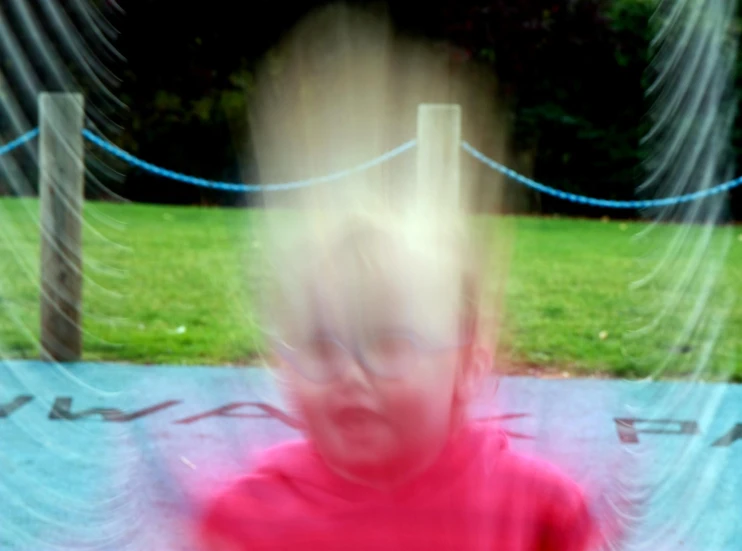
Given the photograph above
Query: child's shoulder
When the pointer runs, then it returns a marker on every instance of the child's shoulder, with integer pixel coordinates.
(540, 490)
(559, 501)
(537, 473)
(262, 493)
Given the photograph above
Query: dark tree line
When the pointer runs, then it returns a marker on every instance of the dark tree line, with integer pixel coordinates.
(571, 72)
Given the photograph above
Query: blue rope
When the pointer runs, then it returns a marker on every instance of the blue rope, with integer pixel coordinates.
(567, 196)
(241, 187)
(10, 146)
(642, 204)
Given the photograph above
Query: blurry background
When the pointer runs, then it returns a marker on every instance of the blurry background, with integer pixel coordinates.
(571, 72)
(169, 286)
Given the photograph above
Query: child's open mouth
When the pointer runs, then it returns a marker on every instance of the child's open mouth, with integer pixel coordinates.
(357, 418)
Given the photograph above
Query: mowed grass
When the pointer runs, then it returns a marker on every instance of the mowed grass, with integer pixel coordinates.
(170, 285)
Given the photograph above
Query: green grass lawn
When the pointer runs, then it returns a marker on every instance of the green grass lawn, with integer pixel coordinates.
(168, 285)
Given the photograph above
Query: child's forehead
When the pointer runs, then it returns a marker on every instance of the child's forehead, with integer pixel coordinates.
(388, 285)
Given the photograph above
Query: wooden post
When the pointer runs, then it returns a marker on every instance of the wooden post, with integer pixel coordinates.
(61, 178)
(439, 152)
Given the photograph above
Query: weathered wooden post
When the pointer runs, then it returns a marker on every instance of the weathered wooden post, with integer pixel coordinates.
(61, 178)
(439, 151)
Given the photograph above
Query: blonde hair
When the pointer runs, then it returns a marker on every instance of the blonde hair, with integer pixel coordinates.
(341, 89)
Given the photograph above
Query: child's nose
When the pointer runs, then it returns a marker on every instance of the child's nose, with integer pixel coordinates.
(355, 374)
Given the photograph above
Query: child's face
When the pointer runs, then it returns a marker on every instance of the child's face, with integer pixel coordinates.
(381, 422)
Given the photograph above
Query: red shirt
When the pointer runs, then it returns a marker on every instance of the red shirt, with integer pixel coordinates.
(479, 495)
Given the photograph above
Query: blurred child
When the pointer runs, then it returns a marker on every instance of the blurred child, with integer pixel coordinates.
(381, 377)
(382, 336)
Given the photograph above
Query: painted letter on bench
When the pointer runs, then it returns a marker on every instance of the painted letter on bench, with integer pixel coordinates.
(628, 431)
